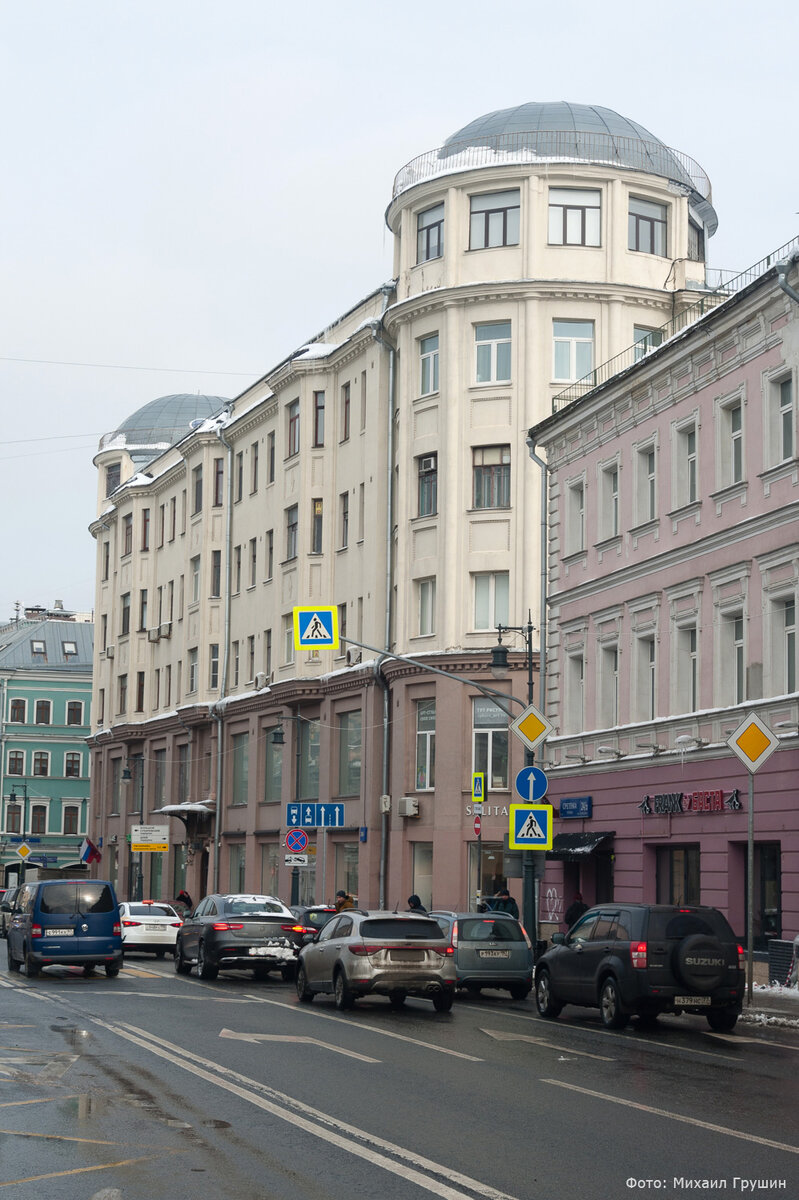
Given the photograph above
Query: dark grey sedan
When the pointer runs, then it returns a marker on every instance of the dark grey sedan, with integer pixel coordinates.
(239, 932)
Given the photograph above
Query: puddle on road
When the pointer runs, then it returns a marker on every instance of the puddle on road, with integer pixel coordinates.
(78, 1039)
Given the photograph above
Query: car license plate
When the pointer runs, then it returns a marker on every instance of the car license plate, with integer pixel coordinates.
(494, 953)
(693, 1001)
(406, 956)
(59, 932)
(153, 928)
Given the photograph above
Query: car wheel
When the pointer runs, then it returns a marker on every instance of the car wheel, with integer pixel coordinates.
(343, 996)
(181, 966)
(112, 970)
(88, 969)
(31, 968)
(205, 969)
(610, 1005)
(397, 1000)
(545, 1002)
(304, 993)
(13, 963)
(442, 1001)
(722, 1019)
(519, 991)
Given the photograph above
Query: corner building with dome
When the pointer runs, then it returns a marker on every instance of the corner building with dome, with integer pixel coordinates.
(380, 469)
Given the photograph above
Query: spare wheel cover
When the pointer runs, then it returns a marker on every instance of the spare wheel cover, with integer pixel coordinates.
(700, 962)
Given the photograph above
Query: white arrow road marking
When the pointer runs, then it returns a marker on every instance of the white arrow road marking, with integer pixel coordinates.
(500, 1036)
(308, 1041)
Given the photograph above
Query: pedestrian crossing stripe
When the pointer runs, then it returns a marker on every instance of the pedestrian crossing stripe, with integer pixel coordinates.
(530, 827)
(314, 626)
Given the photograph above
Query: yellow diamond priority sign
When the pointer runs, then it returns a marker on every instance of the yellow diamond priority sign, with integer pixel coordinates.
(531, 727)
(753, 742)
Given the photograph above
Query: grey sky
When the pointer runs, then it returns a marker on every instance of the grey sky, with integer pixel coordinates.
(201, 186)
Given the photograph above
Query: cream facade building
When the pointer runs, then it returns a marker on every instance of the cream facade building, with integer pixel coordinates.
(380, 469)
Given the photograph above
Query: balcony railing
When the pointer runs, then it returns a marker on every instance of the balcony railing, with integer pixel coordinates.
(726, 284)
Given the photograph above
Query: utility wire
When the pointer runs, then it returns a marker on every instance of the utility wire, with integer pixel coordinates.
(56, 362)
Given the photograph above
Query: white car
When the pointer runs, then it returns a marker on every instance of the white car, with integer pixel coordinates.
(149, 925)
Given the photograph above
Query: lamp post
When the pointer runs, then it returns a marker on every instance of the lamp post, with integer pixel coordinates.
(137, 890)
(499, 665)
(23, 787)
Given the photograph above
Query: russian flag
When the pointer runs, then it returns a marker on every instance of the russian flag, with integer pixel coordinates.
(89, 852)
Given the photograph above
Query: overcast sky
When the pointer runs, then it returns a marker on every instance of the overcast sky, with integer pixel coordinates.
(200, 187)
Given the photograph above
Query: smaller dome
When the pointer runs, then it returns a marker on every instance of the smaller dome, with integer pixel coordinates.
(161, 423)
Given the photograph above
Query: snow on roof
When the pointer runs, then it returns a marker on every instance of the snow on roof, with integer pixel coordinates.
(317, 350)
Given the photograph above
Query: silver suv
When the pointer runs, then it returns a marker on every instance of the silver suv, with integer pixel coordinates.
(384, 953)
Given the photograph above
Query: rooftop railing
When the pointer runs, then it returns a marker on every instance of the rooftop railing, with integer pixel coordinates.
(726, 285)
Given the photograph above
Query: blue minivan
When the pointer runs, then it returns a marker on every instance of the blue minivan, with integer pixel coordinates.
(69, 922)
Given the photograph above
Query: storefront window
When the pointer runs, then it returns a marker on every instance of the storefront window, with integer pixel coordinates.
(347, 868)
(422, 879)
(678, 875)
(486, 870)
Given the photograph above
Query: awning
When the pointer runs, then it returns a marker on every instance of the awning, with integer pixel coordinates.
(572, 847)
(184, 809)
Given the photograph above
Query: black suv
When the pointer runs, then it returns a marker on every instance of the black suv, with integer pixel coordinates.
(642, 960)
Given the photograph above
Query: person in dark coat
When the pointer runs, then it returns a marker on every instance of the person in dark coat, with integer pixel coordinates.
(415, 905)
(575, 910)
(343, 900)
(505, 903)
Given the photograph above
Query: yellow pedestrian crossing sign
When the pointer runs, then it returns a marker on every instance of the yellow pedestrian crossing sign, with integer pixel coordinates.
(315, 626)
(530, 827)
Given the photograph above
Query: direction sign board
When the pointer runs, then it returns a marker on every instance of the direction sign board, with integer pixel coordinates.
(315, 626)
(531, 727)
(753, 742)
(532, 784)
(530, 827)
(296, 841)
(149, 838)
(312, 816)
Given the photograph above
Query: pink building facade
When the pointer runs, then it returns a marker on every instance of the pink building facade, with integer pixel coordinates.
(673, 577)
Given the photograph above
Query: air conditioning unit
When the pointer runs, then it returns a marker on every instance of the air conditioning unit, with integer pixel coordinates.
(428, 463)
(261, 679)
(109, 651)
(408, 806)
(153, 635)
(165, 630)
(385, 804)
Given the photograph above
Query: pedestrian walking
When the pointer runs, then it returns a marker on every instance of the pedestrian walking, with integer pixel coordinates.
(575, 910)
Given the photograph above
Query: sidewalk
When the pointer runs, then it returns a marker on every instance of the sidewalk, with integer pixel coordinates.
(771, 1003)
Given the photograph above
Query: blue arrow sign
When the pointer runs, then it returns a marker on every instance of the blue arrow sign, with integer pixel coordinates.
(329, 815)
(532, 784)
(530, 827)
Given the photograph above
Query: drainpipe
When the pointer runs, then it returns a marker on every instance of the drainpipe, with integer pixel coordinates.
(379, 335)
(215, 709)
(782, 269)
(542, 653)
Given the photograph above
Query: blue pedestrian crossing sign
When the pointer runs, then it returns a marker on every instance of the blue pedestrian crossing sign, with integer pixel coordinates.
(315, 626)
(530, 827)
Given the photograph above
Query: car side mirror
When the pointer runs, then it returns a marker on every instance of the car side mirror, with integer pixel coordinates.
(558, 939)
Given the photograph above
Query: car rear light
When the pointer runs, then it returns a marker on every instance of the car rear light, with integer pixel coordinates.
(526, 935)
(117, 930)
(638, 954)
(364, 949)
(444, 951)
(454, 935)
(129, 924)
(293, 928)
(741, 958)
(223, 926)
(175, 924)
(36, 931)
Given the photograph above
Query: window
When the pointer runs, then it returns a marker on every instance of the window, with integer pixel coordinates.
(788, 608)
(235, 655)
(685, 465)
(273, 770)
(39, 817)
(293, 438)
(494, 220)
(288, 639)
(173, 517)
(39, 648)
(574, 217)
(13, 818)
(183, 771)
(268, 652)
(17, 711)
(493, 350)
(253, 561)
(608, 697)
(575, 518)
(253, 468)
(316, 527)
(645, 339)
(733, 654)
(490, 742)
(309, 759)
(213, 666)
(70, 649)
(319, 418)
(216, 572)
(491, 477)
(573, 350)
(644, 683)
(140, 691)
(344, 519)
(106, 559)
(270, 553)
(145, 529)
(43, 712)
(104, 632)
(292, 523)
(342, 625)
(491, 599)
(70, 820)
(363, 401)
(687, 675)
(240, 745)
(677, 875)
(123, 694)
(609, 502)
(646, 227)
(349, 754)
(781, 420)
(361, 510)
(427, 467)
(16, 762)
(41, 762)
(197, 489)
(270, 457)
(239, 476)
(645, 485)
(113, 475)
(428, 361)
(427, 606)
(125, 628)
(143, 609)
(192, 664)
(346, 408)
(195, 579)
(161, 525)
(732, 443)
(430, 233)
(574, 689)
(425, 745)
(696, 243)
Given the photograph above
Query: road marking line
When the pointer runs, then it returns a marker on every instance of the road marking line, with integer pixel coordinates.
(44, 1100)
(501, 1036)
(662, 1112)
(61, 1137)
(316, 1122)
(123, 1162)
(308, 1041)
(307, 1011)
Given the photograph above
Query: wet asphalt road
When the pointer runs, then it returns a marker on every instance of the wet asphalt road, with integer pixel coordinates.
(153, 1085)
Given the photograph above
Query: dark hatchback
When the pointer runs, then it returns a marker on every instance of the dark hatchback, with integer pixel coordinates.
(239, 932)
(314, 916)
(643, 960)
